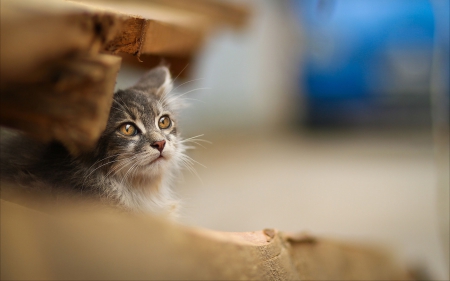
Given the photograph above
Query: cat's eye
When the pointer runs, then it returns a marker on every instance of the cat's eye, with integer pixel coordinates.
(128, 129)
(164, 122)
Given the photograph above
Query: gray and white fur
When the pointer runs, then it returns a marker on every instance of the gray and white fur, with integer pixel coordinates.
(133, 164)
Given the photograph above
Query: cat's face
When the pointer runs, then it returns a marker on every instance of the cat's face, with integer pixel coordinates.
(141, 140)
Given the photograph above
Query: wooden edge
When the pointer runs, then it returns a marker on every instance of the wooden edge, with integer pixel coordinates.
(130, 39)
(226, 13)
(162, 38)
(34, 35)
(85, 242)
(144, 33)
(147, 36)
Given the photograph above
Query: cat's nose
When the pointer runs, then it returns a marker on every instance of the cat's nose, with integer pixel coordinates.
(159, 145)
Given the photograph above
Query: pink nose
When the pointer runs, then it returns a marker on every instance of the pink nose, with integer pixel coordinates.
(159, 145)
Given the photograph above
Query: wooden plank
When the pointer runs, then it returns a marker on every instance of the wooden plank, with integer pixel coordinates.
(147, 36)
(92, 243)
(168, 28)
(35, 33)
(54, 84)
(128, 41)
(196, 14)
(70, 103)
(219, 12)
(163, 38)
(152, 30)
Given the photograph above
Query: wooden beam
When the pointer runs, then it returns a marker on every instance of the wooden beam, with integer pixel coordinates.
(92, 243)
(35, 33)
(54, 84)
(69, 103)
(176, 28)
(223, 13)
(148, 36)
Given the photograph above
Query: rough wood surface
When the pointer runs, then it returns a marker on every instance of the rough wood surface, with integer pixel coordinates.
(34, 34)
(156, 29)
(93, 243)
(148, 36)
(70, 103)
(54, 83)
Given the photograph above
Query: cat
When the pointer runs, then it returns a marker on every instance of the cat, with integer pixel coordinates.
(134, 163)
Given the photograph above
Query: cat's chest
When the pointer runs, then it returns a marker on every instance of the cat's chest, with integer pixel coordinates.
(140, 196)
(140, 188)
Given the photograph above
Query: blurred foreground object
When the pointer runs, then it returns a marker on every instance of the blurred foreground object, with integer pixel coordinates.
(59, 59)
(54, 82)
(92, 243)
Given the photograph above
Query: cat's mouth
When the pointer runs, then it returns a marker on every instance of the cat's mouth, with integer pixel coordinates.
(160, 157)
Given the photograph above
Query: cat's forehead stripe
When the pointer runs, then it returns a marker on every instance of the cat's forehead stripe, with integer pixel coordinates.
(141, 126)
(136, 113)
(137, 105)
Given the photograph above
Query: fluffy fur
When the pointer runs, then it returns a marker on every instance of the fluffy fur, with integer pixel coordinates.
(126, 171)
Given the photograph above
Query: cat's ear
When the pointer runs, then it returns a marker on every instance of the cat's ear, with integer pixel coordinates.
(157, 82)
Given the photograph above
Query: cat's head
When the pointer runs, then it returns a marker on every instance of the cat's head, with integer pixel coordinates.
(141, 140)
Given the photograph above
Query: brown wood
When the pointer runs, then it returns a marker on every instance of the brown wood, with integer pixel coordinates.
(143, 34)
(148, 36)
(224, 13)
(54, 83)
(70, 103)
(93, 243)
(176, 28)
(33, 34)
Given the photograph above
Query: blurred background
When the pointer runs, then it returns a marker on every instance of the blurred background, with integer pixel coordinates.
(326, 116)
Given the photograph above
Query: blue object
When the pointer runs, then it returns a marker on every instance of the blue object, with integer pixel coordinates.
(365, 58)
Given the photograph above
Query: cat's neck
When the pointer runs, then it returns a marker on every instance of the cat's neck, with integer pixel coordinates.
(141, 193)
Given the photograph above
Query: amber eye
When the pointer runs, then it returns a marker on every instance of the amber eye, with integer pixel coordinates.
(164, 122)
(128, 129)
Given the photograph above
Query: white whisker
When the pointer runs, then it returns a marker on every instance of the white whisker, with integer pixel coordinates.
(196, 138)
(125, 176)
(185, 93)
(85, 178)
(187, 163)
(114, 171)
(193, 80)
(121, 105)
(195, 142)
(190, 159)
(98, 161)
(175, 79)
(118, 109)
